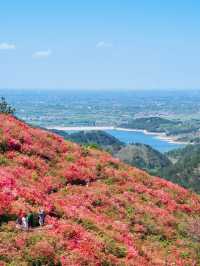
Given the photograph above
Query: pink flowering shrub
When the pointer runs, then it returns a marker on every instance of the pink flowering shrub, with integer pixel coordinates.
(99, 210)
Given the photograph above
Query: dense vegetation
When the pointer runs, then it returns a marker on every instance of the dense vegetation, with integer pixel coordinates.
(5, 108)
(99, 210)
(186, 168)
(144, 157)
(152, 124)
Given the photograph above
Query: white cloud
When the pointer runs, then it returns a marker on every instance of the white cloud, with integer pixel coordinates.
(7, 46)
(42, 54)
(103, 44)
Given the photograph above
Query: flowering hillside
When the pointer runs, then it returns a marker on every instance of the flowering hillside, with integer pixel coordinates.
(99, 210)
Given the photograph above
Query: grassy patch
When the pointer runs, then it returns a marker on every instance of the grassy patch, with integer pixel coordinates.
(69, 158)
(130, 211)
(109, 181)
(88, 225)
(3, 160)
(97, 203)
(112, 212)
(111, 247)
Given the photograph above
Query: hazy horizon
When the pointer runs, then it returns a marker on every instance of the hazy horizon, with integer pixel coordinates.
(107, 89)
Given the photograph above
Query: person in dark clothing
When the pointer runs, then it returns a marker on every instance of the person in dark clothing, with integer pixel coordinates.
(19, 219)
(19, 222)
(30, 219)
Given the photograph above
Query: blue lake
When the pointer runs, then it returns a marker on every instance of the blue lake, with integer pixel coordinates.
(140, 137)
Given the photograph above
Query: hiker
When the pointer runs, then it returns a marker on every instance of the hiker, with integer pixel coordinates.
(24, 223)
(30, 219)
(19, 222)
(87, 183)
(41, 216)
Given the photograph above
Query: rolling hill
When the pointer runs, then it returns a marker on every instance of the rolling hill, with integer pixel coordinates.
(100, 211)
(139, 155)
(186, 167)
(144, 157)
(181, 166)
(152, 124)
(99, 138)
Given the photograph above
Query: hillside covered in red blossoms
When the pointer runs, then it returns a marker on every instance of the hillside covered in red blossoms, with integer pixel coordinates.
(99, 211)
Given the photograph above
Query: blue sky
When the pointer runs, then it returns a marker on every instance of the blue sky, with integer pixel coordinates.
(100, 44)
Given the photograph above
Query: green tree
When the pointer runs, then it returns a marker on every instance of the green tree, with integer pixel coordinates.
(5, 108)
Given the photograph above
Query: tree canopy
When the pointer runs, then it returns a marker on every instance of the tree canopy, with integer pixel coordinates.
(5, 108)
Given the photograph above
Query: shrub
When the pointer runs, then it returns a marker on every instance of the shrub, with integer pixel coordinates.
(194, 229)
(97, 202)
(3, 160)
(3, 146)
(69, 158)
(129, 212)
(42, 253)
(115, 249)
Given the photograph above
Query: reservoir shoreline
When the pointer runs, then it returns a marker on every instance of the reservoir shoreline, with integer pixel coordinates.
(160, 135)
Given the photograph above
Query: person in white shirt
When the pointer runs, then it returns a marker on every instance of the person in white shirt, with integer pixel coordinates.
(24, 223)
